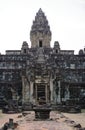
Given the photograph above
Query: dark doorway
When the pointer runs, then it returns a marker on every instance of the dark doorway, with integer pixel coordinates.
(56, 51)
(40, 43)
(41, 97)
(24, 51)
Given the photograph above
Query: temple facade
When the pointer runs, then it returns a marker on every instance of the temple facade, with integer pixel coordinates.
(42, 73)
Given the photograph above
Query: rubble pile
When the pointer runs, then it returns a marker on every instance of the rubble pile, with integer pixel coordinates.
(10, 125)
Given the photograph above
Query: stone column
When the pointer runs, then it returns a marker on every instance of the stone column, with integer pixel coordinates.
(31, 91)
(46, 93)
(25, 90)
(54, 93)
(51, 90)
(59, 92)
(67, 93)
(36, 92)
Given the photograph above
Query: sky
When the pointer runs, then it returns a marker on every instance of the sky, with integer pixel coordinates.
(66, 19)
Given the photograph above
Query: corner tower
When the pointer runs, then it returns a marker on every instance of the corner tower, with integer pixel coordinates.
(40, 34)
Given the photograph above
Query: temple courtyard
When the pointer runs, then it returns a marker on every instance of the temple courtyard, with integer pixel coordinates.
(57, 121)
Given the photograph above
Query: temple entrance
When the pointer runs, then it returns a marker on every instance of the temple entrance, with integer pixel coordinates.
(42, 93)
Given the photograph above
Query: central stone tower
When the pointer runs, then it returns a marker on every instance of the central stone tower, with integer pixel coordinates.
(40, 34)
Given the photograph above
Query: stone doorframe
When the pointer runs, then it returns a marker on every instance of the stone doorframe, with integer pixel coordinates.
(45, 88)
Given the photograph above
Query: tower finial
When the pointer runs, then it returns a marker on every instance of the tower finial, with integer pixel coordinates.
(40, 9)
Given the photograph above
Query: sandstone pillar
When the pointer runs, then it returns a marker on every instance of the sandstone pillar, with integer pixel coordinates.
(46, 93)
(25, 90)
(54, 93)
(59, 92)
(36, 92)
(31, 91)
(51, 90)
(67, 93)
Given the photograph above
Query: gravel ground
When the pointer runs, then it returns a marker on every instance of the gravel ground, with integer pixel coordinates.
(78, 118)
(58, 121)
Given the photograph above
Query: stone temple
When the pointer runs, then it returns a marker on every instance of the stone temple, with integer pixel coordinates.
(42, 73)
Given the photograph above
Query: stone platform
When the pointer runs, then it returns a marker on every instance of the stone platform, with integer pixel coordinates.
(42, 113)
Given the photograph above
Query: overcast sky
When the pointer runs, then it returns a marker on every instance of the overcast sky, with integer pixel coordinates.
(66, 19)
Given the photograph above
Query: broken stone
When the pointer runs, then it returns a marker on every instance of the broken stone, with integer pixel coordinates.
(51, 119)
(15, 125)
(57, 118)
(19, 116)
(24, 113)
(77, 125)
(70, 121)
(62, 116)
(10, 125)
(5, 127)
(81, 129)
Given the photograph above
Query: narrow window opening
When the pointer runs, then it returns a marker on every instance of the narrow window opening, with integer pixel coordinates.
(40, 43)
(24, 50)
(56, 51)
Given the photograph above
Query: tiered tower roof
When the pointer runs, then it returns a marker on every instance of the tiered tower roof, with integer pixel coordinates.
(40, 24)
